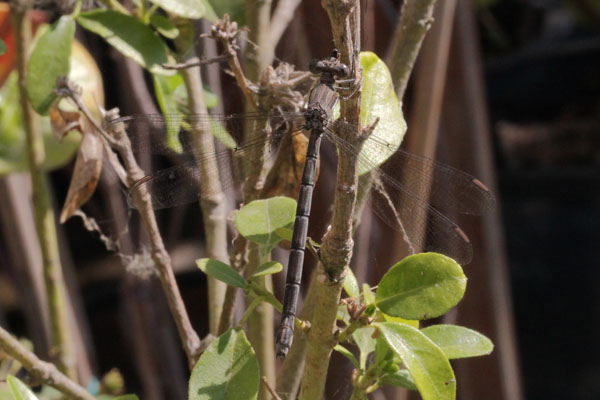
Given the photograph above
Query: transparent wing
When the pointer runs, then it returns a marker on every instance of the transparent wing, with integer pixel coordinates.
(405, 206)
(173, 133)
(182, 183)
(448, 185)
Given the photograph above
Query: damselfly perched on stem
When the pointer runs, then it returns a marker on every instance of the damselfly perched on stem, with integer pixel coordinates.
(406, 204)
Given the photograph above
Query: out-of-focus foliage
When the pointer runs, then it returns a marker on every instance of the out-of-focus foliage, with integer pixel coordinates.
(12, 135)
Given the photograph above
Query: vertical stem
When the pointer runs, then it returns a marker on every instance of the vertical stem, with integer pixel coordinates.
(415, 20)
(260, 322)
(337, 245)
(63, 346)
(260, 51)
(259, 55)
(212, 203)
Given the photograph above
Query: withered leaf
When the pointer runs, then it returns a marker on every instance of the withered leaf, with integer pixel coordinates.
(86, 172)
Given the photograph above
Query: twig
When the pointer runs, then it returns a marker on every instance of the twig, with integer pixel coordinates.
(226, 32)
(212, 202)
(196, 63)
(42, 371)
(63, 346)
(415, 20)
(337, 243)
(120, 142)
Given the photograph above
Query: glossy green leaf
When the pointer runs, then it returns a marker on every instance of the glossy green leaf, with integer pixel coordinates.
(426, 362)
(258, 220)
(411, 322)
(227, 370)
(19, 390)
(3, 47)
(221, 271)
(379, 101)
(399, 378)
(459, 342)
(351, 284)
(130, 36)
(268, 268)
(363, 337)
(348, 354)
(192, 9)
(49, 60)
(421, 286)
(164, 26)
(383, 353)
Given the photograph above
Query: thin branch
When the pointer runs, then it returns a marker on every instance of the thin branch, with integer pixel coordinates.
(63, 346)
(258, 57)
(265, 382)
(226, 32)
(42, 371)
(120, 142)
(212, 202)
(415, 20)
(196, 63)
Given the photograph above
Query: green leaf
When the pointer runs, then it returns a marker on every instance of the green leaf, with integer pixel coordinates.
(285, 233)
(399, 378)
(164, 26)
(347, 353)
(192, 9)
(3, 47)
(130, 36)
(19, 390)
(227, 370)
(127, 397)
(379, 101)
(258, 220)
(268, 268)
(426, 362)
(389, 318)
(368, 294)
(164, 88)
(351, 284)
(221, 271)
(49, 60)
(363, 337)
(421, 286)
(459, 342)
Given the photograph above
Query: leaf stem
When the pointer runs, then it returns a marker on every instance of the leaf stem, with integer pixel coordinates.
(63, 347)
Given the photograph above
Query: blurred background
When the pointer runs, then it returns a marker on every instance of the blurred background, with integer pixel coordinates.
(507, 90)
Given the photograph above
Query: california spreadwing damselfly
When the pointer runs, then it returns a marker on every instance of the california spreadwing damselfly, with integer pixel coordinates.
(402, 204)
